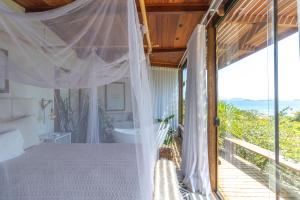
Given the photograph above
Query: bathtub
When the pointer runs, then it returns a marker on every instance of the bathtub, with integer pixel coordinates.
(121, 135)
(127, 135)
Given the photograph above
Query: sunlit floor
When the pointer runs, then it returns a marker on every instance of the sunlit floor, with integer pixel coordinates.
(176, 158)
(241, 180)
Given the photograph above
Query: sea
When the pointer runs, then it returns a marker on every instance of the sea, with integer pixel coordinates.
(265, 107)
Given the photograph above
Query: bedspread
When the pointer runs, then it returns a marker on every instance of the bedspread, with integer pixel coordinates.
(71, 172)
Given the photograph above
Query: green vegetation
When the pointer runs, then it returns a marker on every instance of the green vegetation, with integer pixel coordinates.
(258, 129)
(169, 137)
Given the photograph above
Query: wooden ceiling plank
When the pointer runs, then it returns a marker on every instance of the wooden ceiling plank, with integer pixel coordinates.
(252, 4)
(256, 28)
(234, 12)
(185, 25)
(244, 11)
(234, 33)
(286, 6)
(289, 21)
(242, 43)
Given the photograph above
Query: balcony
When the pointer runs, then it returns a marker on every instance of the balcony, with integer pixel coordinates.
(242, 180)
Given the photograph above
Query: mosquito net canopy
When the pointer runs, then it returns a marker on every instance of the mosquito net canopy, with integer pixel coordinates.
(89, 57)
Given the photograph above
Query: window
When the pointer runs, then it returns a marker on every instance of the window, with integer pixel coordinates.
(246, 86)
(244, 106)
(182, 81)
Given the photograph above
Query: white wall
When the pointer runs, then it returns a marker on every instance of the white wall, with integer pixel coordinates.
(118, 116)
(23, 100)
(121, 119)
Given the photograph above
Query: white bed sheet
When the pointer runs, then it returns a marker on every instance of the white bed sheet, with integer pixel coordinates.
(71, 172)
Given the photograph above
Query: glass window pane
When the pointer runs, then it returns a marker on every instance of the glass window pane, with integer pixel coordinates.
(245, 106)
(289, 100)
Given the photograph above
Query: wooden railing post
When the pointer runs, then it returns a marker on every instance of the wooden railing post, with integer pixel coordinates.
(229, 150)
(212, 105)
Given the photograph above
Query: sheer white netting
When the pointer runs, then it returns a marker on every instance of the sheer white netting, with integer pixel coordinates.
(91, 54)
(298, 14)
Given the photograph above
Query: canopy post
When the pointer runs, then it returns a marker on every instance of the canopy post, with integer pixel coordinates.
(145, 22)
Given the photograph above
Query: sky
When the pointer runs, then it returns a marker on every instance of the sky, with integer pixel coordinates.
(252, 77)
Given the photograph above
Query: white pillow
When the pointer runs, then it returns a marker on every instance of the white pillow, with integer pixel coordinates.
(11, 145)
(27, 126)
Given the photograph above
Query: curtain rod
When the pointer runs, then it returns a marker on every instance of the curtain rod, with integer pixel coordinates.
(145, 22)
(213, 8)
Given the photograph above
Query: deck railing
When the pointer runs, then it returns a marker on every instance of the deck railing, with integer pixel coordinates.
(231, 143)
(290, 170)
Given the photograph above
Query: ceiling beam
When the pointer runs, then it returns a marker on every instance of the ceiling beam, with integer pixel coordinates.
(176, 7)
(41, 9)
(164, 64)
(167, 49)
(150, 8)
(56, 3)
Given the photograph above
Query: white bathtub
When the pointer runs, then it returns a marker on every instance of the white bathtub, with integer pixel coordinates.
(124, 135)
(128, 135)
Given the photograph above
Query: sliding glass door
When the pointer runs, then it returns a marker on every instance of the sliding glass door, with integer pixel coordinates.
(259, 101)
(245, 103)
(289, 101)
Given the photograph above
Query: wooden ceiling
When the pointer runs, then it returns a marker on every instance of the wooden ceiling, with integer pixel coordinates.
(244, 30)
(247, 28)
(171, 23)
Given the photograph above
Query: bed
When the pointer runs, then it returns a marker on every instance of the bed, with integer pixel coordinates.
(71, 172)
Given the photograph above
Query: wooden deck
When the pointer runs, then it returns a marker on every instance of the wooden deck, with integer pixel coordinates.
(240, 180)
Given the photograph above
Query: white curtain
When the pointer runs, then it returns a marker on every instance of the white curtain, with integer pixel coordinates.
(195, 149)
(298, 13)
(93, 136)
(164, 87)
